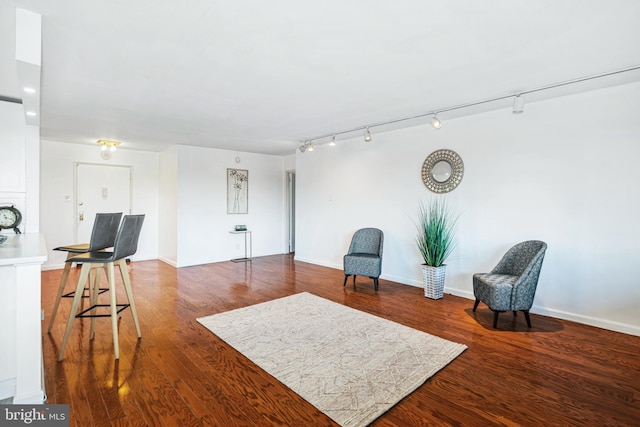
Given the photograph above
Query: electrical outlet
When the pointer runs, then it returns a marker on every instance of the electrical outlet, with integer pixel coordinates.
(42, 314)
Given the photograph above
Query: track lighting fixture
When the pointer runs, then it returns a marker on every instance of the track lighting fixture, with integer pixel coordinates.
(310, 146)
(435, 122)
(367, 135)
(518, 108)
(518, 104)
(333, 141)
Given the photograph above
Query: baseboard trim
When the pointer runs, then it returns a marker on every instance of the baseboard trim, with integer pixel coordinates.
(564, 315)
(168, 261)
(47, 267)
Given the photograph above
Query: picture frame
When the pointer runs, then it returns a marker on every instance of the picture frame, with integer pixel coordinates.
(237, 191)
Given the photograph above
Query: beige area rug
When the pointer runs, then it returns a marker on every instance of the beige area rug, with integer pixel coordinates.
(351, 365)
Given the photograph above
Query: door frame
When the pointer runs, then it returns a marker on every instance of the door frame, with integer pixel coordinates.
(75, 190)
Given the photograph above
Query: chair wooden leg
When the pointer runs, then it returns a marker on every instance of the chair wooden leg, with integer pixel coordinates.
(354, 280)
(375, 283)
(515, 313)
(114, 308)
(127, 287)
(475, 305)
(82, 280)
(346, 276)
(526, 316)
(61, 286)
(495, 319)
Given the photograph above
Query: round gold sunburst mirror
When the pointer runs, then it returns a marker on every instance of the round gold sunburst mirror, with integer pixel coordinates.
(442, 171)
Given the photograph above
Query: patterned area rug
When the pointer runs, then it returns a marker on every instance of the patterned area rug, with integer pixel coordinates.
(351, 365)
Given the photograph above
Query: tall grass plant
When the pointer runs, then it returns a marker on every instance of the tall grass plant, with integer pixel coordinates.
(436, 230)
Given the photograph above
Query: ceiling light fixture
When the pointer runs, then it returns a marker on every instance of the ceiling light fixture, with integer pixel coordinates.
(29, 90)
(367, 135)
(518, 104)
(333, 141)
(435, 122)
(107, 147)
(31, 113)
(310, 146)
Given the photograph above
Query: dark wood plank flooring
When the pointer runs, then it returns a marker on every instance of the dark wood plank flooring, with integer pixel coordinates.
(557, 373)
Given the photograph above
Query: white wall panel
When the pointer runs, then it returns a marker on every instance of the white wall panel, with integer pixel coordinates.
(203, 222)
(168, 210)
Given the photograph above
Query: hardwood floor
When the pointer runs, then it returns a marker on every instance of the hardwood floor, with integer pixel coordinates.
(557, 373)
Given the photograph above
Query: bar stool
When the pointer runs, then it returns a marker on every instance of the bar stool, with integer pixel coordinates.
(105, 227)
(126, 244)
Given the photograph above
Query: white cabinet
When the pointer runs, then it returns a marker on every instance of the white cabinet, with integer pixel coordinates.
(21, 258)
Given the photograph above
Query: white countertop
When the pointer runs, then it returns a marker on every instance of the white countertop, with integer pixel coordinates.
(23, 249)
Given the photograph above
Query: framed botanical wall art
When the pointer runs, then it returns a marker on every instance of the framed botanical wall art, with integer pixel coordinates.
(237, 191)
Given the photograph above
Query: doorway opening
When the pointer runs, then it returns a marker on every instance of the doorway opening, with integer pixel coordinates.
(291, 211)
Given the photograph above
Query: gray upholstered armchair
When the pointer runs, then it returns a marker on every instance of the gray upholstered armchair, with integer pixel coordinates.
(365, 255)
(511, 285)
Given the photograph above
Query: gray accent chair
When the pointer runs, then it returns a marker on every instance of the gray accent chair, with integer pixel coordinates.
(365, 255)
(511, 285)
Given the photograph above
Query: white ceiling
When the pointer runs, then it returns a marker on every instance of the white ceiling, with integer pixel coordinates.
(261, 76)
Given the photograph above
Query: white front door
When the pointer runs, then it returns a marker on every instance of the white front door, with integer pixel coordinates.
(100, 188)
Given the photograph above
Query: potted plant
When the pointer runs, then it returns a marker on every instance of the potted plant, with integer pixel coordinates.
(436, 229)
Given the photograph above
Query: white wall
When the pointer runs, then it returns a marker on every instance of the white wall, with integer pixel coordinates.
(565, 171)
(168, 211)
(57, 214)
(203, 224)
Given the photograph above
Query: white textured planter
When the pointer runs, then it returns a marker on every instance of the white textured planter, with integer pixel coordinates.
(433, 280)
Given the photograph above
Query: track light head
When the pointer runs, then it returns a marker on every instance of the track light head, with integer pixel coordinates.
(307, 146)
(435, 122)
(518, 104)
(367, 135)
(333, 141)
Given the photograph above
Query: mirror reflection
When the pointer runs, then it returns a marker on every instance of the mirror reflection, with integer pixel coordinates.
(441, 171)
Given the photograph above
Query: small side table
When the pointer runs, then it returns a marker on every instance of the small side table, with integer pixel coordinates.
(250, 246)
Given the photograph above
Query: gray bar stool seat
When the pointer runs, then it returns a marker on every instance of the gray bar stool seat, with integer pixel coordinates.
(126, 244)
(103, 236)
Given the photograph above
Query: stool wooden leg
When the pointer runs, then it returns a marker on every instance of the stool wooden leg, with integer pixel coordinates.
(63, 284)
(82, 280)
(124, 271)
(95, 291)
(114, 309)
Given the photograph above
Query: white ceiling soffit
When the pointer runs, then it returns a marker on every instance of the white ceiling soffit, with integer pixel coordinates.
(262, 76)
